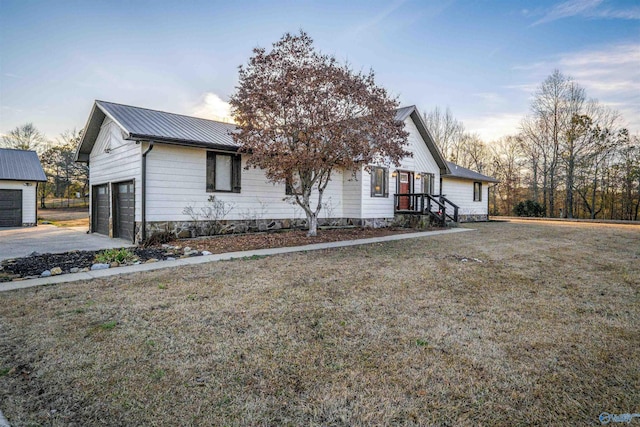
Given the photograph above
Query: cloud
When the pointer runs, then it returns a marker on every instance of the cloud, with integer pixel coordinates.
(366, 26)
(587, 9)
(212, 107)
(608, 73)
(491, 127)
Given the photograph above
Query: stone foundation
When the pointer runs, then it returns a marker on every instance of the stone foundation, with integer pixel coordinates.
(473, 217)
(189, 229)
(419, 222)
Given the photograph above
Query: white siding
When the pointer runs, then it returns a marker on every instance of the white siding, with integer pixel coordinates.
(176, 178)
(421, 162)
(28, 198)
(460, 192)
(352, 194)
(114, 159)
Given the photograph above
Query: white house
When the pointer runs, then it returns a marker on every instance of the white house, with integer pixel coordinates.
(152, 171)
(20, 172)
(469, 190)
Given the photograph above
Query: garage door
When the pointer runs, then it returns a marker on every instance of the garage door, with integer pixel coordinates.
(100, 214)
(10, 208)
(124, 210)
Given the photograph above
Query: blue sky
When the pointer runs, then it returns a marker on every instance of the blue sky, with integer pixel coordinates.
(482, 59)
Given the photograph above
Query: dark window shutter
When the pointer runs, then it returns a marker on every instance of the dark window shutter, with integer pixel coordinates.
(386, 182)
(211, 171)
(236, 170)
(373, 182)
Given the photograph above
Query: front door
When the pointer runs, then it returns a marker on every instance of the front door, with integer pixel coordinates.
(404, 187)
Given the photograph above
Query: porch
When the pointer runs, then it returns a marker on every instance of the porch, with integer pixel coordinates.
(438, 207)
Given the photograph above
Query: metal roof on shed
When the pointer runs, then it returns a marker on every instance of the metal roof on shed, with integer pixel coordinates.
(464, 173)
(20, 165)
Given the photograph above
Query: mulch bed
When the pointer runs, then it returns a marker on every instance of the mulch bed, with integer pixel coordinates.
(33, 266)
(247, 242)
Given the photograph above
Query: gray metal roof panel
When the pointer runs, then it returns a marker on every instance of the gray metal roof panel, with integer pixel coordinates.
(20, 165)
(464, 173)
(143, 123)
(404, 112)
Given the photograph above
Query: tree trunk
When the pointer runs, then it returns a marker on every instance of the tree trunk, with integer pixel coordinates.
(569, 200)
(312, 220)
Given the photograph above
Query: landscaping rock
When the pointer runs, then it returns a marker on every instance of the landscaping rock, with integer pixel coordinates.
(114, 264)
(206, 253)
(55, 271)
(74, 270)
(149, 261)
(187, 249)
(45, 273)
(99, 266)
(84, 270)
(34, 253)
(170, 258)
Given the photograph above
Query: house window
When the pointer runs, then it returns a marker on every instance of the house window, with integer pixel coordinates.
(223, 172)
(428, 180)
(379, 182)
(477, 191)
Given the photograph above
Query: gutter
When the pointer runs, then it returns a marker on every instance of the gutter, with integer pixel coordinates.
(144, 192)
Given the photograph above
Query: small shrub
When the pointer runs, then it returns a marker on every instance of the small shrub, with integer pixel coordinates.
(421, 343)
(121, 256)
(529, 208)
(4, 371)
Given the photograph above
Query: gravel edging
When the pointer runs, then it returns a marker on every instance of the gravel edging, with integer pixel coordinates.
(23, 284)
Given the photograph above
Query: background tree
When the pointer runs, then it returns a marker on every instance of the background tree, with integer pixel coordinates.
(447, 132)
(65, 177)
(25, 137)
(303, 116)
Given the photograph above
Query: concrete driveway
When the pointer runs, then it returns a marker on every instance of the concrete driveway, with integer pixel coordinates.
(19, 242)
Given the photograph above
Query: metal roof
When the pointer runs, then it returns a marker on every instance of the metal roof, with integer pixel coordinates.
(20, 165)
(158, 126)
(464, 173)
(403, 112)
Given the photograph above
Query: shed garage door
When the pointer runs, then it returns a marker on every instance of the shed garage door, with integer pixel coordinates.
(124, 210)
(10, 208)
(100, 214)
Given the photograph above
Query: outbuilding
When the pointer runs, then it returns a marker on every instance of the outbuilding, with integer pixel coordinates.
(20, 173)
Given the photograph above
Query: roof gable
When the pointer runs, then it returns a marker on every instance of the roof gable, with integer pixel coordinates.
(20, 165)
(411, 111)
(158, 126)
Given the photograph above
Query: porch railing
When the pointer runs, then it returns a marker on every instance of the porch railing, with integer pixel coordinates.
(437, 206)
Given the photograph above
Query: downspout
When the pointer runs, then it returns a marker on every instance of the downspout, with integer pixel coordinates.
(143, 202)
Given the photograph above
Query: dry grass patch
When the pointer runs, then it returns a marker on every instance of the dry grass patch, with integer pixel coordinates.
(544, 330)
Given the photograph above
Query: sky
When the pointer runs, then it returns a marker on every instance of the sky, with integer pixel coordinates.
(481, 59)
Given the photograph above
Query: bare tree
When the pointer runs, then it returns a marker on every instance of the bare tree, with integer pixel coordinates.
(473, 153)
(446, 131)
(302, 116)
(25, 137)
(507, 161)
